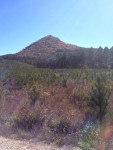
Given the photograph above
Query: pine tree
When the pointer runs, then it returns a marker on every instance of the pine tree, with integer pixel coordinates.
(98, 99)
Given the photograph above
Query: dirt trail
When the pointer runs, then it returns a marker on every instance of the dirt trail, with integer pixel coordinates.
(11, 144)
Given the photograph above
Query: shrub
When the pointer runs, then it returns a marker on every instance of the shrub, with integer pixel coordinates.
(61, 126)
(98, 98)
(60, 140)
(79, 96)
(34, 95)
(89, 137)
(28, 122)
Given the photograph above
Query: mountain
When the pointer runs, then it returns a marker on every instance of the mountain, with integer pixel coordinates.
(45, 48)
(51, 52)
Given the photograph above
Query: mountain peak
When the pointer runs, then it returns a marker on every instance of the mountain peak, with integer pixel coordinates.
(46, 46)
(50, 37)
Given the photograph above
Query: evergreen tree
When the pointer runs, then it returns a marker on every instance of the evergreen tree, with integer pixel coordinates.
(98, 99)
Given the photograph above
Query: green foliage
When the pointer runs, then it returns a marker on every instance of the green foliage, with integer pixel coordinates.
(89, 138)
(98, 99)
(60, 140)
(30, 76)
(79, 96)
(60, 126)
(25, 74)
(28, 122)
(80, 58)
(34, 95)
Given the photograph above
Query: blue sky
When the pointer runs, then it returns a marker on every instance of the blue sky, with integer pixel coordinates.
(84, 23)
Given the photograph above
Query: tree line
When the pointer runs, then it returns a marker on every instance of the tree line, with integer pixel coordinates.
(81, 58)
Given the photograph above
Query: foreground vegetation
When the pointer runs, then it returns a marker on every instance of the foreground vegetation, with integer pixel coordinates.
(55, 103)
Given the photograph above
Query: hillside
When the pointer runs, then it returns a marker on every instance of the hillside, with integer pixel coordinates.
(46, 47)
(50, 104)
(51, 52)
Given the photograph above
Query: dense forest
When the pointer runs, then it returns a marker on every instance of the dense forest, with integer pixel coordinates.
(81, 58)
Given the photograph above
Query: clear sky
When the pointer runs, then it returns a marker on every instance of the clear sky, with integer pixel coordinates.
(84, 23)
